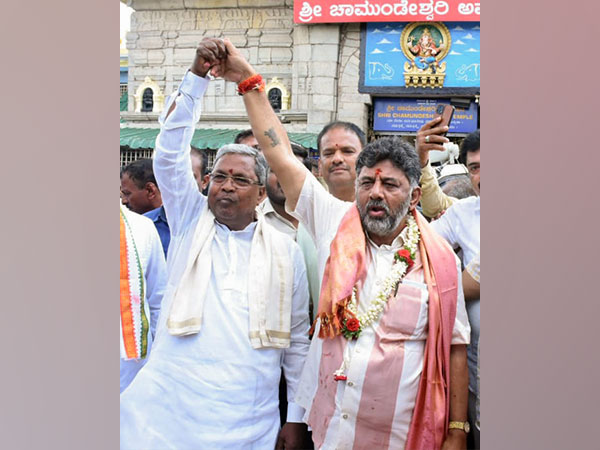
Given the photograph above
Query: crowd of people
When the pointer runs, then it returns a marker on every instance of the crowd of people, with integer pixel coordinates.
(271, 308)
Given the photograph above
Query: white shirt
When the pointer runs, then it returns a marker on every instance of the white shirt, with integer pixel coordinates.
(459, 225)
(152, 259)
(399, 338)
(276, 220)
(211, 389)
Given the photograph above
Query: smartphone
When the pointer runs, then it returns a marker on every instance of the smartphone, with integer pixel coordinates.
(445, 112)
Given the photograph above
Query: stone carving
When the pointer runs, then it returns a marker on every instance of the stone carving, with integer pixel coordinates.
(143, 102)
(147, 100)
(279, 96)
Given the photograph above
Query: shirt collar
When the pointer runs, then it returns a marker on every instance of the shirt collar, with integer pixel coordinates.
(266, 207)
(161, 213)
(397, 243)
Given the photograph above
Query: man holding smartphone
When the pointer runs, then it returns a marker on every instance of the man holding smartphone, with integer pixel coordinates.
(431, 136)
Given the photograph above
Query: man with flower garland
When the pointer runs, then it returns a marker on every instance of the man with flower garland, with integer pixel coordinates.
(388, 368)
(397, 330)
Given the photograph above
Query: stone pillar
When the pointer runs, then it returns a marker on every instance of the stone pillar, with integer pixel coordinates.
(352, 106)
(315, 72)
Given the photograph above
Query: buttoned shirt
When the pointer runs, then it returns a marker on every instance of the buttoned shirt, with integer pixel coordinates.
(373, 408)
(159, 217)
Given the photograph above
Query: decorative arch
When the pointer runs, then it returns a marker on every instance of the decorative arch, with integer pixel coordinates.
(276, 85)
(158, 98)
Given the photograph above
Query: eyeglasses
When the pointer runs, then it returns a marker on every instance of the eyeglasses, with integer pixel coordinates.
(473, 169)
(239, 182)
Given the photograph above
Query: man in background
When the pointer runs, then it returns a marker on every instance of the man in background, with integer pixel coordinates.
(140, 193)
(339, 144)
(273, 207)
(200, 167)
(246, 137)
(460, 226)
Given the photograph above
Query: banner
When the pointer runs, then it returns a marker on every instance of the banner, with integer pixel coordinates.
(408, 115)
(334, 11)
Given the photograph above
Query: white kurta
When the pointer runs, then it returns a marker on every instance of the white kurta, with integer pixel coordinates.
(152, 260)
(212, 389)
(390, 352)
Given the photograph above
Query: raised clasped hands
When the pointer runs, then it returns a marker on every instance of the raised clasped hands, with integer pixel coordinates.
(222, 59)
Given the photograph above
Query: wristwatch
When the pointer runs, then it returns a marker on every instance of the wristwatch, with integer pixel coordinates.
(460, 426)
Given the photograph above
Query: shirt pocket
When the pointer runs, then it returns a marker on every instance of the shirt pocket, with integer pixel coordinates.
(405, 316)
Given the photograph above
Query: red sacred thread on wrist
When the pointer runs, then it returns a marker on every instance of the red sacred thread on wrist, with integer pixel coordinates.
(255, 82)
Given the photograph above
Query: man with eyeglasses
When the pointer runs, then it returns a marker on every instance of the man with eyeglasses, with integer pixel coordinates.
(235, 310)
(460, 226)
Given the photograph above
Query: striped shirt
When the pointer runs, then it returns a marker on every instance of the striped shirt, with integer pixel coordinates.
(373, 408)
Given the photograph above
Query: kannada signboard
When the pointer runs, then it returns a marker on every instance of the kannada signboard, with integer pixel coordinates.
(335, 11)
(408, 115)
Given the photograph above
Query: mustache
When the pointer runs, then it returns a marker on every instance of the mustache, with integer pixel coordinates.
(378, 204)
(339, 166)
(231, 198)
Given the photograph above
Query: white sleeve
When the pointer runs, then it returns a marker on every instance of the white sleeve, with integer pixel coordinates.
(294, 356)
(172, 163)
(461, 333)
(445, 226)
(318, 210)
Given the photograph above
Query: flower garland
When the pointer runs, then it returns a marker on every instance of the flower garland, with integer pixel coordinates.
(403, 261)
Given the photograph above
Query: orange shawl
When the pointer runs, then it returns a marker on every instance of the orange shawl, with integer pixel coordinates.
(347, 266)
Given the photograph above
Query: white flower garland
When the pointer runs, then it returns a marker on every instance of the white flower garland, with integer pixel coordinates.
(391, 281)
(397, 272)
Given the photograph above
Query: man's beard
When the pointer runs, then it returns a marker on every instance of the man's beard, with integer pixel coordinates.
(387, 224)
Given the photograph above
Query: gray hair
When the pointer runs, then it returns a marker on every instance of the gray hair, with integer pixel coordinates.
(458, 186)
(260, 164)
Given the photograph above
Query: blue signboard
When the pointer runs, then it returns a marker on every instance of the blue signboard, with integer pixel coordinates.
(409, 114)
(393, 52)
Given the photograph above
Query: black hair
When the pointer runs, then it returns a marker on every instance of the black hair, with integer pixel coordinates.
(469, 145)
(200, 153)
(398, 151)
(140, 172)
(346, 126)
(302, 152)
(243, 135)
